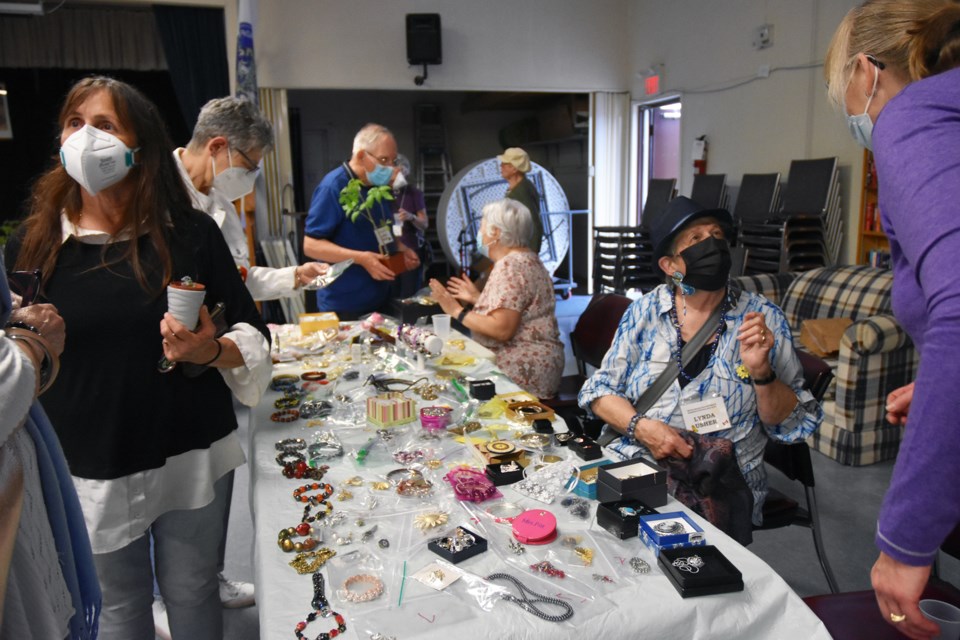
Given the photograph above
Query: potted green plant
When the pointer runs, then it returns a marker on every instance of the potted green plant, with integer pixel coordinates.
(355, 206)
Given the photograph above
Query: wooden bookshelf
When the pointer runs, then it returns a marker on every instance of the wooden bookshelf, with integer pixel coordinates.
(872, 244)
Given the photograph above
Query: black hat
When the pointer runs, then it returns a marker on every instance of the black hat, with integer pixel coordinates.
(680, 212)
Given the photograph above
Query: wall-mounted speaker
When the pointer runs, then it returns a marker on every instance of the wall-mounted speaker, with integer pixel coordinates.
(423, 38)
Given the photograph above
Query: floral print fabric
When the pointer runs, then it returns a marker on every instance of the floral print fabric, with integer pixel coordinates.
(533, 358)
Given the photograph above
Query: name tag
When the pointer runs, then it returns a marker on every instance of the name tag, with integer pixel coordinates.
(384, 235)
(705, 416)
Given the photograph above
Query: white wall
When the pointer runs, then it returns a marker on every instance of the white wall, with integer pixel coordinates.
(760, 126)
(528, 45)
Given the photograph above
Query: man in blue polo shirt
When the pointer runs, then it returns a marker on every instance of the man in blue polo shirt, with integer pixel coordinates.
(331, 236)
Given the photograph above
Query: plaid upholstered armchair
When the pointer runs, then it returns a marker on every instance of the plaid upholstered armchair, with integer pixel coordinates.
(876, 355)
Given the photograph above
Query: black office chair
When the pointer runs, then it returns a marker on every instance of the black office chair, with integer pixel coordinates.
(793, 461)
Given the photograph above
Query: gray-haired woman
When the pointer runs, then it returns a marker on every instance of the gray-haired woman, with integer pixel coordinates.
(514, 316)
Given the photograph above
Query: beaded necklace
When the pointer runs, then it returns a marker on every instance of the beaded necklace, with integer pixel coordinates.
(321, 608)
(528, 600)
(724, 307)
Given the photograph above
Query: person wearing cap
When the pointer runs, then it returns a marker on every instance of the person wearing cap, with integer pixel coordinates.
(514, 167)
(748, 366)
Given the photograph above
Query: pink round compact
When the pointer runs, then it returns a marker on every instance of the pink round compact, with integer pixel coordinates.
(536, 526)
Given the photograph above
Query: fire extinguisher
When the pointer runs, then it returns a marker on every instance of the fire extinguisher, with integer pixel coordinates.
(700, 155)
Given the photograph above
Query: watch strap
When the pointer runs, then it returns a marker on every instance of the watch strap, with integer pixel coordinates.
(760, 382)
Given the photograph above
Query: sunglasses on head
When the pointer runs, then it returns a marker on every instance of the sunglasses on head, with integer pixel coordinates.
(25, 284)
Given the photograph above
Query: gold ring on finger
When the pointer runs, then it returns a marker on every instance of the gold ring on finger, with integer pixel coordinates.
(897, 617)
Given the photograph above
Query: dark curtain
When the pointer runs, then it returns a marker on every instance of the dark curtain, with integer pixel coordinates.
(195, 45)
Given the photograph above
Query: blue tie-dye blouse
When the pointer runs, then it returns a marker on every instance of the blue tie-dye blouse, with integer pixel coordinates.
(646, 343)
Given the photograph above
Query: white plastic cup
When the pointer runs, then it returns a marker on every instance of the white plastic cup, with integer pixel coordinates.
(441, 325)
(184, 303)
(944, 614)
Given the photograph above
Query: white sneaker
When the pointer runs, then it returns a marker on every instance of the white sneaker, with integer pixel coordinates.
(161, 626)
(235, 595)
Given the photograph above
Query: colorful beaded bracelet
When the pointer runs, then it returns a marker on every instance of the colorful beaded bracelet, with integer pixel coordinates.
(299, 470)
(299, 494)
(285, 415)
(291, 444)
(287, 402)
(286, 544)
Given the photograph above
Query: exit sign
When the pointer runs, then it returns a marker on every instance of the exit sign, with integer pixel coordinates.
(651, 84)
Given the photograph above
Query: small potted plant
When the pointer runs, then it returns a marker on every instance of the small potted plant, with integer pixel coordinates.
(354, 207)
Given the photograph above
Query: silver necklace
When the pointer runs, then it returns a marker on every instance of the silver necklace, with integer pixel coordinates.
(529, 603)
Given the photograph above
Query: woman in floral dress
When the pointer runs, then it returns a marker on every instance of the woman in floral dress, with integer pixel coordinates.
(514, 316)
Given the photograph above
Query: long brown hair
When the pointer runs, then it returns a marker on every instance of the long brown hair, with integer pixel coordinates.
(158, 192)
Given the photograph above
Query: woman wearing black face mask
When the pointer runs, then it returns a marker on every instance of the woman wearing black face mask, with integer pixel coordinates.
(747, 370)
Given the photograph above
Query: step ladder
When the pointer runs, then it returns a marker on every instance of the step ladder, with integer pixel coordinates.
(433, 173)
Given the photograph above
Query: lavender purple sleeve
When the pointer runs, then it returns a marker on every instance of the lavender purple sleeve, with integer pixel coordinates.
(916, 142)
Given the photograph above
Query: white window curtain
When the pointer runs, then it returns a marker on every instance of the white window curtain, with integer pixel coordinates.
(610, 158)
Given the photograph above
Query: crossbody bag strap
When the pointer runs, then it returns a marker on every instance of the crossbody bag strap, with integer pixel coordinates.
(689, 351)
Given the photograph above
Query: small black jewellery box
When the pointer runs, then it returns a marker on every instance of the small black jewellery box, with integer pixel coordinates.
(635, 479)
(458, 545)
(700, 571)
(501, 473)
(585, 448)
(482, 389)
(622, 519)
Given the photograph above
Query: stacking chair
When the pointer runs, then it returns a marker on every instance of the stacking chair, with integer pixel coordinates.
(855, 614)
(660, 191)
(805, 233)
(793, 460)
(623, 260)
(709, 190)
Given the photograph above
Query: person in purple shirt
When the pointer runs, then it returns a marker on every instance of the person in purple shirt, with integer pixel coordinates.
(894, 64)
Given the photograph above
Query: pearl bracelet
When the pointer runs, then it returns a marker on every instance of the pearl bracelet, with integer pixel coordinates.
(374, 592)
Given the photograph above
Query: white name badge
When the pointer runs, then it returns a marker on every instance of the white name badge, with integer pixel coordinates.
(384, 235)
(705, 416)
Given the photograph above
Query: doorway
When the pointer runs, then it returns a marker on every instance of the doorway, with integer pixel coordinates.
(658, 145)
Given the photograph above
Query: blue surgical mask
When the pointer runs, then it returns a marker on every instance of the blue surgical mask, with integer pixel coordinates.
(482, 249)
(380, 175)
(861, 126)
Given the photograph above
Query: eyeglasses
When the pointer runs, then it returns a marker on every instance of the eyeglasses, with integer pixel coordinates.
(25, 284)
(253, 166)
(384, 160)
(875, 62)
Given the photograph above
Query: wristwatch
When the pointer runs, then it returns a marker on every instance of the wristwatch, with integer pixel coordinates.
(760, 382)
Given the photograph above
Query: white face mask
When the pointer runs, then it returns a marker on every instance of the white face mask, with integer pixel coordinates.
(400, 181)
(233, 182)
(96, 159)
(861, 126)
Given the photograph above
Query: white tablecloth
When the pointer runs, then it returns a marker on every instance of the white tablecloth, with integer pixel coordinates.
(634, 606)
